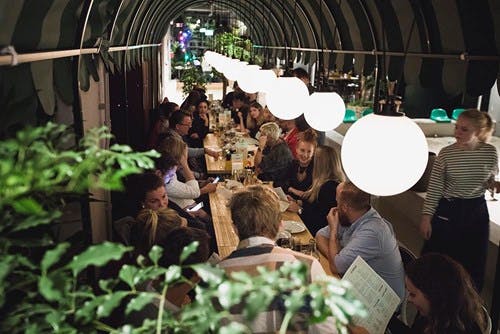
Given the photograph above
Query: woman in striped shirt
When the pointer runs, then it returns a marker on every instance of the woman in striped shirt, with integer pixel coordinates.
(455, 219)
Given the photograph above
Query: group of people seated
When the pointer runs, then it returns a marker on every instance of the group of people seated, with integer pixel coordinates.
(335, 211)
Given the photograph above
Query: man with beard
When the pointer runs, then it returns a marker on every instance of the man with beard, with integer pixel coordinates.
(355, 228)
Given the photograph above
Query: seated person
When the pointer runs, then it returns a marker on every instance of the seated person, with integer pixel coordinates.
(290, 133)
(200, 125)
(444, 296)
(300, 170)
(255, 119)
(356, 229)
(147, 191)
(316, 202)
(174, 154)
(240, 109)
(180, 122)
(177, 294)
(159, 123)
(256, 219)
(273, 155)
(153, 225)
(227, 102)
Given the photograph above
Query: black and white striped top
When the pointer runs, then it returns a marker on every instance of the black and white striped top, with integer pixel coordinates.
(460, 173)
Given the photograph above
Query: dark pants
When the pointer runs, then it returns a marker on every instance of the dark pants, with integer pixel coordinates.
(460, 229)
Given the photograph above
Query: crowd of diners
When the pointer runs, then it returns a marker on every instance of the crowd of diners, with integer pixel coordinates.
(443, 283)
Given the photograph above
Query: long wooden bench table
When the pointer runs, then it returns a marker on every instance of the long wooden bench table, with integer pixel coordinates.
(227, 240)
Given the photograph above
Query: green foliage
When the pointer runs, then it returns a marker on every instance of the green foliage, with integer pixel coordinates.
(232, 45)
(41, 170)
(42, 283)
(192, 77)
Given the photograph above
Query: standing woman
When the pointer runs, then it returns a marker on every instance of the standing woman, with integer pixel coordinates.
(320, 198)
(455, 219)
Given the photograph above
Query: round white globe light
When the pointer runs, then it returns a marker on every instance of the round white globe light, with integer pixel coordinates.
(220, 62)
(384, 155)
(288, 98)
(234, 69)
(267, 79)
(324, 111)
(249, 79)
(209, 57)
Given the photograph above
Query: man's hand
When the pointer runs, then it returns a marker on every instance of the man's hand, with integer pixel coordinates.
(209, 188)
(333, 219)
(212, 153)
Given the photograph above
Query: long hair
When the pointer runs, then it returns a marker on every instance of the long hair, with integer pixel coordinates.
(481, 121)
(454, 303)
(152, 226)
(327, 167)
(251, 122)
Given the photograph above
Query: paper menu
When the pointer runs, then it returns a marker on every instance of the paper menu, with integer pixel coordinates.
(281, 194)
(377, 296)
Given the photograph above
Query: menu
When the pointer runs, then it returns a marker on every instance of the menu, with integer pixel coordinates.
(377, 296)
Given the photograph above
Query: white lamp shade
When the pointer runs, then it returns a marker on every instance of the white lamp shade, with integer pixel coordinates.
(219, 62)
(267, 79)
(288, 98)
(384, 155)
(325, 111)
(249, 79)
(234, 69)
(209, 57)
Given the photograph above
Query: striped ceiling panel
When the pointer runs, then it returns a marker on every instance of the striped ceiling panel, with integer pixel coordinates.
(443, 29)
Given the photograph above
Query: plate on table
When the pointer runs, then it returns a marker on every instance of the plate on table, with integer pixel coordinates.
(293, 226)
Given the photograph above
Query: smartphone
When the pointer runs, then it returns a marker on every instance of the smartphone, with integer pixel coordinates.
(216, 179)
(195, 208)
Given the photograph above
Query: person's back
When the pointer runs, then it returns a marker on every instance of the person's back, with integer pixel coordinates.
(373, 239)
(256, 217)
(356, 229)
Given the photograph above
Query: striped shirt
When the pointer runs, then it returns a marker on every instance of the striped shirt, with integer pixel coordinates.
(261, 252)
(460, 173)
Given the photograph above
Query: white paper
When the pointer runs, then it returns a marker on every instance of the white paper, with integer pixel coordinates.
(281, 194)
(377, 296)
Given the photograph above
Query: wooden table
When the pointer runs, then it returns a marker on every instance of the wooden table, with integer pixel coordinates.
(219, 166)
(227, 240)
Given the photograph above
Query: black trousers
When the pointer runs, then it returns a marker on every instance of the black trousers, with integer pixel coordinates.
(460, 229)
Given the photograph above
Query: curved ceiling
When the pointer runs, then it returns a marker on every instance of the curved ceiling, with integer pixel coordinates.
(451, 45)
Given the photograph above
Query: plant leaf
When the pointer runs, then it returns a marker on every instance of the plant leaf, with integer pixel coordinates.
(173, 274)
(128, 274)
(28, 206)
(97, 255)
(138, 303)
(47, 288)
(155, 254)
(110, 302)
(188, 250)
(53, 255)
(208, 273)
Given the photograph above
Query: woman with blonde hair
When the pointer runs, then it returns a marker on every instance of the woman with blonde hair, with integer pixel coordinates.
(455, 211)
(273, 155)
(317, 201)
(153, 225)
